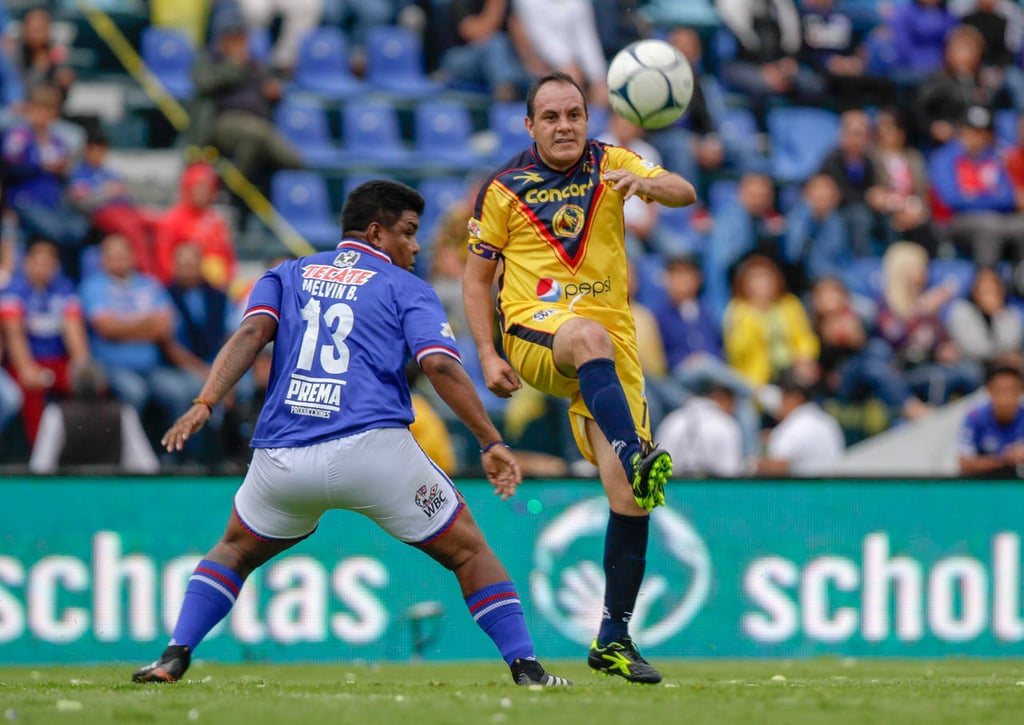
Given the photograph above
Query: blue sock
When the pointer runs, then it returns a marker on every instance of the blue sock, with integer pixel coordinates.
(606, 400)
(498, 612)
(625, 558)
(211, 593)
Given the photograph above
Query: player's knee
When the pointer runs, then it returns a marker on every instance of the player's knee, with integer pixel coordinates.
(591, 340)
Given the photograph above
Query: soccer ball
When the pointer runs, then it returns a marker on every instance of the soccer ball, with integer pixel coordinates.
(650, 83)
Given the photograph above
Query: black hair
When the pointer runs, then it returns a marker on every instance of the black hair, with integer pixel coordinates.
(1002, 367)
(380, 201)
(36, 239)
(96, 136)
(552, 77)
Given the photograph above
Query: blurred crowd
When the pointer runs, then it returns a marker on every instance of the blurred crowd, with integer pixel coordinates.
(854, 263)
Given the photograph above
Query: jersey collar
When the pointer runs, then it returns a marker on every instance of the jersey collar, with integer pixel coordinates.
(364, 247)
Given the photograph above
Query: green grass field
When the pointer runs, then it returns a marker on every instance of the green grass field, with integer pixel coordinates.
(753, 693)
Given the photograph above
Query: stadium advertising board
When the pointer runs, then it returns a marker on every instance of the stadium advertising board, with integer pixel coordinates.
(94, 570)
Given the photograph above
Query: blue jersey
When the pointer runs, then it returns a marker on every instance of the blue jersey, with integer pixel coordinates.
(348, 322)
(982, 435)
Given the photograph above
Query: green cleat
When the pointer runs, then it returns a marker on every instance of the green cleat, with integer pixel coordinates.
(622, 658)
(650, 472)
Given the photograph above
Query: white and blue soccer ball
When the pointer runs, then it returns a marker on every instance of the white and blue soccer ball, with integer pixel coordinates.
(650, 83)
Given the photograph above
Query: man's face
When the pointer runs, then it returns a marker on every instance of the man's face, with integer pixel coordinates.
(1005, 391)
(41, 264)
(117, 257)
(399, 240)
(188, 265)
(559, 124)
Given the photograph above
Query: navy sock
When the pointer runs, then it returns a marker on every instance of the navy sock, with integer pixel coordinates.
(625, 558)
(497, 610)
(606, 400)
(211, 593)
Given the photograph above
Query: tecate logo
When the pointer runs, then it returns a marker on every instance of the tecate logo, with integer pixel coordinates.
(567, 580)
(548, 289)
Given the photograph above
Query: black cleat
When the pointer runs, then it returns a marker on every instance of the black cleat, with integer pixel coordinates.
(530, 672)
(169, 668)
(622, 658)
(651, 469)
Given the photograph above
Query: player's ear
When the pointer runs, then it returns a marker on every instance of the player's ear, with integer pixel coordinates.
(528, 122)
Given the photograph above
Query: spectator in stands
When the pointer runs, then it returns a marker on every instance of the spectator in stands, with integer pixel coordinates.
(984, 326)
(765, 328)
(42, 323)
(356, 17)
(918, 37)
(909, 320)
(748, 224)
(807, 441)
(10, 396)
(946, 95)
(90, 429)
(428, 428)
(852, 364)
(905, 180)
(39, 59)
(561, 36)
(235, 97)
(203, 313)
(991, 440)
(703, 435)
(765, 67)
(99, 192)
(999, 22)
(816, 234)
(298, 17)
(37, 163)
(12, 89)
(861, 179)
(194, 220)
(1014, 159)
(832, 49)
(972, 183)
(692, 146)
(131, 318)
(481, 51)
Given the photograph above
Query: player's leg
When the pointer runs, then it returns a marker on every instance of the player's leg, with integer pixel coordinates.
(625, 560)
(584, 347)
(278, 505)
(212, 589)
(490, 596)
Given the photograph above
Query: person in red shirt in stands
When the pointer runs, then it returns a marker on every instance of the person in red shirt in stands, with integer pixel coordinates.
(193, 220)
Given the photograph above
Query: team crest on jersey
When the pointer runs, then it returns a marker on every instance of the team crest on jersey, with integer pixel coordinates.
(431, 501)
(544, 314)
(446, 330)
(568, 221)
(346, 258)
(548, 289)
(473, 226)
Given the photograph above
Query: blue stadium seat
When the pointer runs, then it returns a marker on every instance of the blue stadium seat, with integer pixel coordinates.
(721, 193)
(1007, 122)
(440, 193)
(960, 271)
(322, 66)
(394, 63)
(506, 120)
(169, 55)
(304, 123)
(443, 133)
(800, 139)
(864, 277)
(673, 13)
(599, 120)
(301, 198)
(372, 136)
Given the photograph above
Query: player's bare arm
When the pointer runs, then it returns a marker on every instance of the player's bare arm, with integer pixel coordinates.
(667, 189)
(232, 361)
(499, 376)
(456, 389)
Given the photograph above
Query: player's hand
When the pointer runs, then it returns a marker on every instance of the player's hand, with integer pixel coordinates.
(193, 420)
(501, 379)
(502, 471)
(625, 182)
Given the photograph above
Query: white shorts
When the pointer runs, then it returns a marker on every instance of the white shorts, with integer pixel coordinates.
(381, 473)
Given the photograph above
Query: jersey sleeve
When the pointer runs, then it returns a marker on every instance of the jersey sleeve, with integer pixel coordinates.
(12, 306)
(265, 298)
(425, 323)
(622, 158)
(967, 438)
(488, 228)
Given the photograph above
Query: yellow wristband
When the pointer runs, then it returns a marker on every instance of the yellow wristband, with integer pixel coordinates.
(200, 401)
